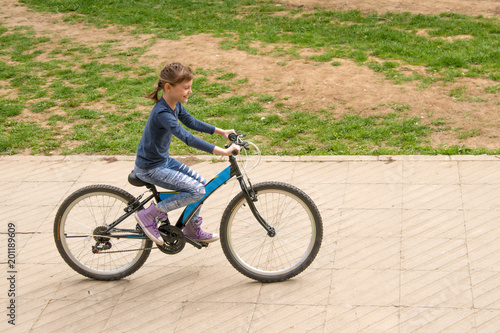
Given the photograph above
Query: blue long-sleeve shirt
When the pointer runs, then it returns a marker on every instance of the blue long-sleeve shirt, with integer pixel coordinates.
(163, 122)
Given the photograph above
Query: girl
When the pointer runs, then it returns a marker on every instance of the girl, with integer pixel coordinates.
(153, 163)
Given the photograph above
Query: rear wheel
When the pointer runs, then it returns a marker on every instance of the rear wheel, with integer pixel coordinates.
(254, 253)
(78, 232)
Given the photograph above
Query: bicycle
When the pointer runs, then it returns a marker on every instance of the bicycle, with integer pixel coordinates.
(270, 231)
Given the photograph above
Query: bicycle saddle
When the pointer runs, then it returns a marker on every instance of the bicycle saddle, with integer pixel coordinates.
(132, 179)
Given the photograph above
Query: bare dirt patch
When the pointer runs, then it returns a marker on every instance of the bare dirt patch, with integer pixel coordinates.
(487, 8)
(309, 86)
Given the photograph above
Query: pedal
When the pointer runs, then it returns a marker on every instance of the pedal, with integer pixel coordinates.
(196, 244)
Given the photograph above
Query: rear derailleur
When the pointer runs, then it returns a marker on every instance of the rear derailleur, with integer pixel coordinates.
(102, 242)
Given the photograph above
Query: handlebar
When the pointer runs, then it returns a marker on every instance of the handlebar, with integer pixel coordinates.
(236, 139)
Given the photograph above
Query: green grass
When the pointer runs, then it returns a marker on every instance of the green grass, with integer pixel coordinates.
(87, 105)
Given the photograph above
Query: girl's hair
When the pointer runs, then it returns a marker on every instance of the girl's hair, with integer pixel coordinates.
(172, 74)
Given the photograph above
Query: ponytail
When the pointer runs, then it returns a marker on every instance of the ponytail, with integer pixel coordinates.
(154, 94)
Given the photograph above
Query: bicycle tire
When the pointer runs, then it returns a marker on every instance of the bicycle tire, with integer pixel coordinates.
(76, 220)
(298, 226)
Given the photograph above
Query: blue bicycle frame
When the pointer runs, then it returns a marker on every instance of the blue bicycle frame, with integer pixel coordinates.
(231, 171)
(191, 209)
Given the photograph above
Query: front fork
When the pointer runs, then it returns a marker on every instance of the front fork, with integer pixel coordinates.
(251, 197)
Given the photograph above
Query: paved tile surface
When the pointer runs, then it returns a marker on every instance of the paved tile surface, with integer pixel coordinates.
(411, 243)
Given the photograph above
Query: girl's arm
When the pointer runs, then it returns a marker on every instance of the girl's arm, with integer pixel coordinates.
(198, 125)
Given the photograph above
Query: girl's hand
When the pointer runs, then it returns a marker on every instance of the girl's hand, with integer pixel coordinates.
(224, 133)
(227, 151)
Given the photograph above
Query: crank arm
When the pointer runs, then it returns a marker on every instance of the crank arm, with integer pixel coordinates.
(196, 244)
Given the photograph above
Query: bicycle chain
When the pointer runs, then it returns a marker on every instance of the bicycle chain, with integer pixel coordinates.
(131, 250)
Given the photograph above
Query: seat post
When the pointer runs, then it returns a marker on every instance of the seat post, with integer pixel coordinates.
(153, 189)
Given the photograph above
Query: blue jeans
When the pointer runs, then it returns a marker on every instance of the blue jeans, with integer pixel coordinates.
(175, 176)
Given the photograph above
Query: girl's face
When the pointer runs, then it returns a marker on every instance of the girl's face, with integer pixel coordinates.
(180, 92)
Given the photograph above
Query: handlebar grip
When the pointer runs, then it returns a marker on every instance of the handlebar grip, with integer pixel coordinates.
(234, 153)
(232, 136)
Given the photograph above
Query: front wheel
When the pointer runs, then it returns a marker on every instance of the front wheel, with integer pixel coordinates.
(78, 233)
(254, 253)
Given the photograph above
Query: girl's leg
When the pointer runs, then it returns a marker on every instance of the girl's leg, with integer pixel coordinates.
(178, 177)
